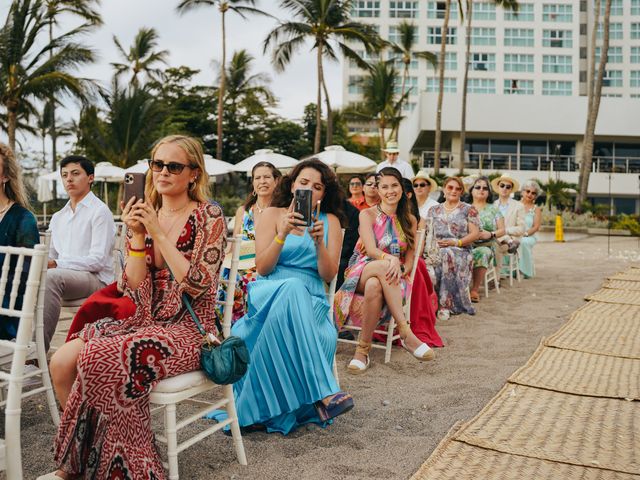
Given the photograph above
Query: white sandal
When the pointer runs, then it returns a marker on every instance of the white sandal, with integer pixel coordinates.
(50, 476)
(423, 353)
(357, 367)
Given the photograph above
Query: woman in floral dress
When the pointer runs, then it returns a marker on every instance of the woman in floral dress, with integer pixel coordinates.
(175, 243)
(456, 227)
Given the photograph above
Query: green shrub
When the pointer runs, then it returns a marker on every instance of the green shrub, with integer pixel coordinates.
(627, 222)
(570, 219)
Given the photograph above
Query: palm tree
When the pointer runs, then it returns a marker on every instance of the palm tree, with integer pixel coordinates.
(33, 68)
(241, 7)
(142, 57)
(324, 22)
(557, 193)
(408, 33)
(244, 86)
(380, 102)
(593, 100)
(507, 5)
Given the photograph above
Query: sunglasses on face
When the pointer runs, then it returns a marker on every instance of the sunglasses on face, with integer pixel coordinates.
(480, 187)
(174, 168)
(370, 184)
(506, 186)
(419, 185)
(452, 188)
(531, 192)
(355, 184)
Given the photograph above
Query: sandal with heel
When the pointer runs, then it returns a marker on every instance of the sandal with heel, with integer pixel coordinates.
(356, 367)
(340, 403)
(422, 352)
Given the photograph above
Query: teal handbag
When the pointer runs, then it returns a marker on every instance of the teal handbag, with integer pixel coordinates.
(224, 363)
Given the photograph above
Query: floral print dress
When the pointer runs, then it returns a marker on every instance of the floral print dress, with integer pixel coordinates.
(105, 430)
(453, 272)
(484, 252)
(387, 231)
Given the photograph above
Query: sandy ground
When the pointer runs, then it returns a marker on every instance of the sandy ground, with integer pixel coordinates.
(404, 408)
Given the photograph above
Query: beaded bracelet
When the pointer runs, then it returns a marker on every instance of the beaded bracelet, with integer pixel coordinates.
(278, 241)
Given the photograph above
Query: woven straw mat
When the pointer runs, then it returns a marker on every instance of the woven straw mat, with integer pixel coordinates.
(603, 329)
(608, 295)
(622, 285)
(581, 373)
(586, 431)
(457, 460)
(632, 275)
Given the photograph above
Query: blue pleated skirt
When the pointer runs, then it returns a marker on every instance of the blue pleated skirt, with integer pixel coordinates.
(292, 341)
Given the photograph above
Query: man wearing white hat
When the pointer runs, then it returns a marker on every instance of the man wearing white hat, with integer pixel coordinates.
(513, 213)
(391, 154)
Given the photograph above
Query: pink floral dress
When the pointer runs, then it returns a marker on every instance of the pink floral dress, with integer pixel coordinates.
(105, 430)
(387, 231)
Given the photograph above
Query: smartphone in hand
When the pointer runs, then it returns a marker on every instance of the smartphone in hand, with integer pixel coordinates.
(303, 205)
(134, 186)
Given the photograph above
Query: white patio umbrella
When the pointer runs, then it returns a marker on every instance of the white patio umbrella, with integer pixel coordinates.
(281, 162)
(44, 195)
(141, 167)
(344, 161)
(107, 172)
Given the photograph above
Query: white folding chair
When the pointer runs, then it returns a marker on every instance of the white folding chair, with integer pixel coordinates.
(388, 332)
(10, 451)
(168, 393)
(491, 276)
(514, 267)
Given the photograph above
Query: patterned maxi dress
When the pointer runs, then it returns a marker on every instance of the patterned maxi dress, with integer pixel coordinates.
(484, 252)
(105, 430)
(453, 273)
(386, 230)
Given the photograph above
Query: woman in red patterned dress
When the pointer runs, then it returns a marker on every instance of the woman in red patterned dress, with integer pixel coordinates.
(103, 377)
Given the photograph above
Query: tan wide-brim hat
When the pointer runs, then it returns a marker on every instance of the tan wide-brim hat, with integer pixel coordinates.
(392, 147)
(468, 181)
(505, 178)
(425, 176)
(247, 258)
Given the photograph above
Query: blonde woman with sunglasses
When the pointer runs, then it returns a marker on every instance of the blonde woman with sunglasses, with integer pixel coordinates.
(532, 220)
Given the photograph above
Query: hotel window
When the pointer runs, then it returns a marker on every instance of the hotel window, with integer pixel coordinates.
(524, 13)
(635, 54)
(403, 9)
(556, 64)
(518, 37)
(355, 84)
(614, 55)
(556, 88)
(635, 78)
(552, 12)
(483, 62)
(483, 36)
(450, 61)
(518, 62)
(616, 8)
(481, 85)
(437, 9)
(615, 31)
(367, 57)
(366, 8)
(434, 35)
(635, 7)
(557, 38)
(612, 78)
(635, 30)
(411, 85)
(449, 85)
(408, 106)
(518, 87)
(484, 11)
(394, 34)
(399, 64)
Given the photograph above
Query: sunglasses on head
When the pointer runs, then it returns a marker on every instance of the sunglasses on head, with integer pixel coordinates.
(481, 187)
(508, 186)
(174, 168)
(419, 185)
(355, 184)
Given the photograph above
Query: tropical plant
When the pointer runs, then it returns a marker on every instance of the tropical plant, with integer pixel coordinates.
(245, 86)
(557, 193)
(327, 24)
(242, 8)
(506, 5)
(142, 58)
(594, 93)
(408, 34)
(33, 68)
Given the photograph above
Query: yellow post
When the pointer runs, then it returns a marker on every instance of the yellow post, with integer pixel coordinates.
(559, 231)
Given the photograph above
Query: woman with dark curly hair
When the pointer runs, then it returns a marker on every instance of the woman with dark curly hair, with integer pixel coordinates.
(287, 328)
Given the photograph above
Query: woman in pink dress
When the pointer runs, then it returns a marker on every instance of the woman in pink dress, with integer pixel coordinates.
(175, 243)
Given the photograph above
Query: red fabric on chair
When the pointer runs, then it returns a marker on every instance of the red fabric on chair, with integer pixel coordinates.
(106, 302)
(424, 305)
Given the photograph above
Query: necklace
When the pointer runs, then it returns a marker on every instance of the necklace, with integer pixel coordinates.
(175, 211)
(449, 210)
(4, 209)
(259, 208)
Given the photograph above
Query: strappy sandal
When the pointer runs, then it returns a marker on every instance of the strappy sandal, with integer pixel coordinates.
(475, 296)
(422, 352)
(357, 367)
(340, 403)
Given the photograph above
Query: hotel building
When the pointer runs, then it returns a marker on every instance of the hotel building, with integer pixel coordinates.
(526, 104)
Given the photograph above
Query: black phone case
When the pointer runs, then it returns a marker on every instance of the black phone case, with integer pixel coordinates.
(134, 186)
(303, 205)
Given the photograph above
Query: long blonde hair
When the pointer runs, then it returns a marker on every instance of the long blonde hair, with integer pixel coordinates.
(14, 186)
(199, 191)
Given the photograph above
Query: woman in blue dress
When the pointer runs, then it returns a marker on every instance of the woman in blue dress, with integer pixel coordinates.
(287, 328)
(532, 221)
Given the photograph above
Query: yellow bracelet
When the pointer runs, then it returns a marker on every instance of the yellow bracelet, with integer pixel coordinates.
(278, 241)
(460, 243)
(383, 255)
(133, 253)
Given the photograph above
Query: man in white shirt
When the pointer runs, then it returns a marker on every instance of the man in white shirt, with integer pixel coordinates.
(82, 238)
(391, 154)
(512, 211)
